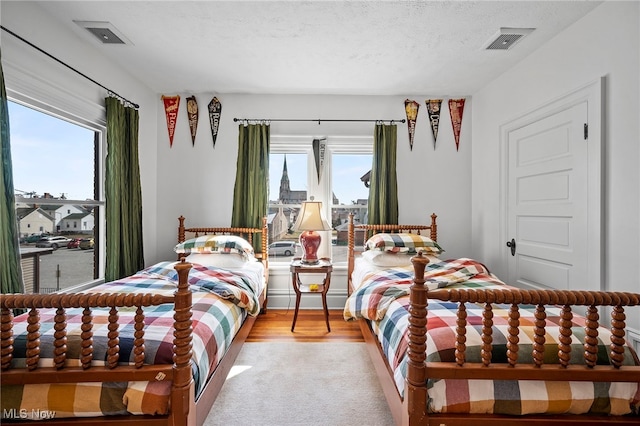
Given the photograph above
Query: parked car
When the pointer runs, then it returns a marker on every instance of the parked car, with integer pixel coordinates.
(34, 238)
(283, 248)
(86, 243)
(74, 243)
(53, 242)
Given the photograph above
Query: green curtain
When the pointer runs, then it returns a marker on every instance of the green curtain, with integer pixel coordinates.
(124, 254)
(250, 194)
(383, 189)
(10, 271)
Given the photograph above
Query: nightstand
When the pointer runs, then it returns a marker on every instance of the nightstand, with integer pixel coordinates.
(322, 267)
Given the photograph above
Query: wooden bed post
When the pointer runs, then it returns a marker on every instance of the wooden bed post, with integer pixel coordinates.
(434, 227)
(181, 233)
(265, 242)
(350, 246)
(183, 391)
(416, 384)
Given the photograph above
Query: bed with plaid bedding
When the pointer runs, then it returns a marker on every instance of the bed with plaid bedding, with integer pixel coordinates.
(221, 301)
(383, 299)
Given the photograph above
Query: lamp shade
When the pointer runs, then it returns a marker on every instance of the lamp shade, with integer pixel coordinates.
(310, 217)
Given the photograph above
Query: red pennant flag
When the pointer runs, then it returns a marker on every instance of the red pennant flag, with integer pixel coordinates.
(171, 104)
(192, 113)
(411, 109)
(433, 109)
(456, 107)
(215, 109)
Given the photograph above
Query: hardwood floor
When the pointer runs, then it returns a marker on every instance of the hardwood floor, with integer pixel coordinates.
(275, 325)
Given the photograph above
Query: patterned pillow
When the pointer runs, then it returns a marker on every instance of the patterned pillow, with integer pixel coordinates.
(216, 244)
(403, 243)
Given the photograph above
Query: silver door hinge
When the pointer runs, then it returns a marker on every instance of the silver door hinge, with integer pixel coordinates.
(586, 131)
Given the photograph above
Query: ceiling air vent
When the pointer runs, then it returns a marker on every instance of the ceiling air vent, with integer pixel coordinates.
(507, 37)
(105, 32)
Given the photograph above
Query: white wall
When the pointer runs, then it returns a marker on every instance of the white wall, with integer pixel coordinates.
(198, 181)
(30, 74)
(606, 43)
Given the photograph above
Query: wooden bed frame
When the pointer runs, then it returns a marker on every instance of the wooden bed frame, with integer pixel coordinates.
(185, 410)
(412, 410)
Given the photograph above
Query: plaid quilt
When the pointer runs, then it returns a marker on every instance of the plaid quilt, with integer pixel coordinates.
(383, 299)
(221, 301)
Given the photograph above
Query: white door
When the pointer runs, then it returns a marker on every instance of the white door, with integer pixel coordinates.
(552, 225)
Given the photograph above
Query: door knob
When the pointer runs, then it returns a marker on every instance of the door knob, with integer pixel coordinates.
(512, 245)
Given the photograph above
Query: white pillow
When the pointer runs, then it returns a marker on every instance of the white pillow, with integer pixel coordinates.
(392, 259)
(385, 258)
(218, 260)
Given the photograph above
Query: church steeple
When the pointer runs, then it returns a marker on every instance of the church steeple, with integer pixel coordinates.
(285, 189)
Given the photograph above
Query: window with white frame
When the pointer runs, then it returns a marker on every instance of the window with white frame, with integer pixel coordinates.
(56, 165)
(339, 180)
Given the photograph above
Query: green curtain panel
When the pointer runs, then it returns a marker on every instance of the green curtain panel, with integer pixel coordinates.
(10, 271)
(250, 194)
(124, 254)
(383, 189)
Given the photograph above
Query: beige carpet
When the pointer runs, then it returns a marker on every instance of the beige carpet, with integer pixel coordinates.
(282, 383)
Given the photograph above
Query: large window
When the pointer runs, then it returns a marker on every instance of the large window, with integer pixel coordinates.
(58, 202)
(340, 183)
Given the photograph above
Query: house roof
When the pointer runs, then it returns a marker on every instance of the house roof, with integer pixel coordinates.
(76, 216)
(23, 212)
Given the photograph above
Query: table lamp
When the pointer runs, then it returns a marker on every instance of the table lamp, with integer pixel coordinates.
(310, 219)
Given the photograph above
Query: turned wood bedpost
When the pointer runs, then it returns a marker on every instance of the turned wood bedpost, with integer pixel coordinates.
(265, 243)
(181, 232)
(350, 246)
(182, 394)
(434, 227)
(6, 337)
(416, 383)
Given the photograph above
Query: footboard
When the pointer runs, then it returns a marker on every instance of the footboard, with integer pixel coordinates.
(84, 369)
(419, 370)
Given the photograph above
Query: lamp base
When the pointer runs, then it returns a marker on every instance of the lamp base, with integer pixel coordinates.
(310, 241)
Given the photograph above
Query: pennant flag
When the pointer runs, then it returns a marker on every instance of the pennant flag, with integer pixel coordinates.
(319, 150)
(456, 107)
(433, 109)
(192, 112)
(171, 104)
(411, 108)
(215, 108)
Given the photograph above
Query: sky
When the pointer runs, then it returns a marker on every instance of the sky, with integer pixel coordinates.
(347, 170)
(52, 155)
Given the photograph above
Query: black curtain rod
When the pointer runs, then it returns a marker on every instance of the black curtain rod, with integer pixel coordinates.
(111, 92)
(319, 120)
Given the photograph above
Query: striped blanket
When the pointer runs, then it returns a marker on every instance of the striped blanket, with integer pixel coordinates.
(221, 301)
(383, 299)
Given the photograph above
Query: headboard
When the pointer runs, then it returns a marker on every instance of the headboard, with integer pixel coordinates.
(246, 233)
(370, 229)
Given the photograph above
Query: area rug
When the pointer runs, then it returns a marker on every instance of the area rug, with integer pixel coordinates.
(301, 384)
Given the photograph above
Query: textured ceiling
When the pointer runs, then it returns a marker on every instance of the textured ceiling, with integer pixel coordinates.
(318, 47)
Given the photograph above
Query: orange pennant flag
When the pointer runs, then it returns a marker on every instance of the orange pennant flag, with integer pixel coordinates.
(456, 107)
(171, 104)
